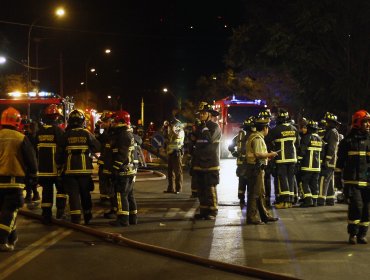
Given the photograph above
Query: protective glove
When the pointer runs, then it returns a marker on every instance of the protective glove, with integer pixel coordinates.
(235, 154)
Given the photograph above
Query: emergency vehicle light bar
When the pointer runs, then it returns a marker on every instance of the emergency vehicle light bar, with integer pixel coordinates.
(31, 94)
(255, 102)
(234, 100)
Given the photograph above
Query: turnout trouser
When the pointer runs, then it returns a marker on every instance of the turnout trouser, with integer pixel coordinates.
(125, 201)
(309, 187)
(326, 187)
(358, 210)
(47, 202)
(285, 173)
(11, 199)
(78, 189)
(207, 192)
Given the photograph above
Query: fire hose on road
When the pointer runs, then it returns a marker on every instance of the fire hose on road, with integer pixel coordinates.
(120, 240)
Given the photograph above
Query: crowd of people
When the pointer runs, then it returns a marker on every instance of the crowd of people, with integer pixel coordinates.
(61, 159)
(301, 160)
(308, 164)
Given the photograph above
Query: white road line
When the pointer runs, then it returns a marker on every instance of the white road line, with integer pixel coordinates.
(18, 260)
(285, 261)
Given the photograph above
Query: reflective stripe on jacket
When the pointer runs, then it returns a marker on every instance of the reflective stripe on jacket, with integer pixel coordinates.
(48, 138)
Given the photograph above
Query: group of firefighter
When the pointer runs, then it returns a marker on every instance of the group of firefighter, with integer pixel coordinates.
(302, 163)
(62, 159)
(309, 164)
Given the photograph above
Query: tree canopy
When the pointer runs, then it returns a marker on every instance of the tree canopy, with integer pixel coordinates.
(315, 53)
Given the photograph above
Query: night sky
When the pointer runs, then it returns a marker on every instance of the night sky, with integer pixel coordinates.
(154, 44)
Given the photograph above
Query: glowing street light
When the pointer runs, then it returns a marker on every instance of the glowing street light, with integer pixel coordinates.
(60, 12)
(177, 99)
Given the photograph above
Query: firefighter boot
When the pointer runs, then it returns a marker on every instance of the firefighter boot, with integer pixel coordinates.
(307, 202)
(13, 238)
(46, 216)
(111, 214)
(60, 214)
(329, 202)
(132, 218)
(122, 221)
(87, 217)
(76, 218)
(5, 247)
(352, 239)
(28, 198)
(282, 205)
(36, 195)
(361, 237)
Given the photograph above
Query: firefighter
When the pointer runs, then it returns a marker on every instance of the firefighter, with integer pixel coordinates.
(124, 169)
(48, 141)
(29, 129)
(329, 158)
(76, 146)
(322, 128)
(206, 161)
(105, 185)
(191, 149)
(257, 157)
(285, 139)
(175, 152)
(107, 196)
(302, 129)
(338, 180)
(353, 160)
(16, 152)
(309, 157)
(237, 149)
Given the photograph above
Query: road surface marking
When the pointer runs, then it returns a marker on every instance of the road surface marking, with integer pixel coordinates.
(24, 256)
(285, 261)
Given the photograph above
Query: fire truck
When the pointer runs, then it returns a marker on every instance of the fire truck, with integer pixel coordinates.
(31, 105)
(233, 111)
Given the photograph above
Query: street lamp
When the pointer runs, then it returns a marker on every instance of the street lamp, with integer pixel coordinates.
(177, 99)
(60, 12)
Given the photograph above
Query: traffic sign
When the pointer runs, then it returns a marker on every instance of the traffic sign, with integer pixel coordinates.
(157, 140)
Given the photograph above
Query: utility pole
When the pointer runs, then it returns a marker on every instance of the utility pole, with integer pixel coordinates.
(142, 111)
(61, 74)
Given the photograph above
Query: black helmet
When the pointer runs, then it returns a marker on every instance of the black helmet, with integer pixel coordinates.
(265, 114)
(76, 117)
(205, 107)
(248, 124)
(282, 115)
(330, 117)
(263, 118)
(312, 125)
(323, 124)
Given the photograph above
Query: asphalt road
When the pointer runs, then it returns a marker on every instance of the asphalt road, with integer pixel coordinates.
(306, 243)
